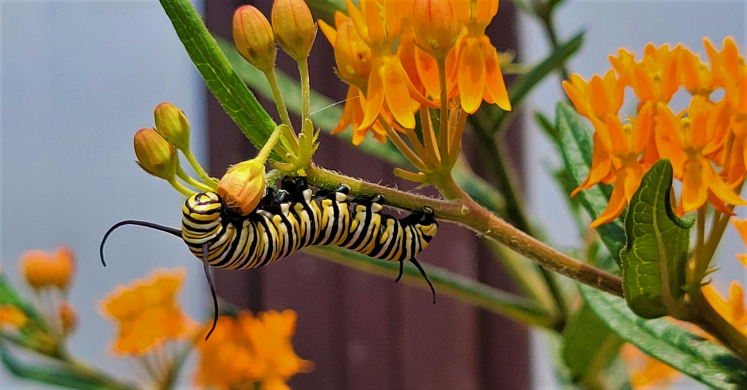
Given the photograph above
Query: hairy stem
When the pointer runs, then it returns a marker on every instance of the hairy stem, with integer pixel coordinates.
(282, 110)
(468, 213)
(303, 69)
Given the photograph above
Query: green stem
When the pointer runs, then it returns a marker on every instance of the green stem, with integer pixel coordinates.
(197, 167)
(303, 69)
(701, 262)
(192, 181)
(445, 282)
(290, 134)
(443, 135)
(264, 154)
(180, 187)
(548, 25)
(471, 215)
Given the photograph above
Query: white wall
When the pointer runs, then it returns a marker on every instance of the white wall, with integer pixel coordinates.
(610, 25)
(79, 78)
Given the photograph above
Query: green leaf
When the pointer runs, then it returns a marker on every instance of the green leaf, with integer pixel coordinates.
(223, 82)
(576, 147)
(589, 347)
(61, 375)
(703, 360)
(445, 282)
(528, 81)
(655, 254)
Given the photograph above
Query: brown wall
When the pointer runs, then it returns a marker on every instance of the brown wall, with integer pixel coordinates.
(364, 331)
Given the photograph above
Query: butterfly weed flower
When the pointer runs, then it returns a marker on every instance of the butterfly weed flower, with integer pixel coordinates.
(250, 350)
(43, 270)
(645, 371)
(12, 317)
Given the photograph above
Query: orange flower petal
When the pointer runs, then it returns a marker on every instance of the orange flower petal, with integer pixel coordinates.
(397, 95)
(694, 185)
(494, 84)
(329, 32)
(719, 188)
(600, 166)
(375, 96)
(471, 77)
(616, 203)
(642, 85)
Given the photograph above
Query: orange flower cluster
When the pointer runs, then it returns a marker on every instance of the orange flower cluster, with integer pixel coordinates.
(709, 134)
(147, 313)
(247, 350)
(398, 55)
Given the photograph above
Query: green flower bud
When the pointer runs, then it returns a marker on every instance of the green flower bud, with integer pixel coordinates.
(173, 125)
(154, 154)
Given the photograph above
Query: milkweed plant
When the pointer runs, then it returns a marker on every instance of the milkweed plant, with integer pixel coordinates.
(652, 188)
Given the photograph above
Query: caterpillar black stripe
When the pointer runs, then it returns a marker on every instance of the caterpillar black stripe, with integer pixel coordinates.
(293, 218)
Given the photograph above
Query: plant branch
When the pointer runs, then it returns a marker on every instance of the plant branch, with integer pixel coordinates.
(471, 215)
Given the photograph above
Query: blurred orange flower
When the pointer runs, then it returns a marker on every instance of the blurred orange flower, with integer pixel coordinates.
(147, 313)
(732, 308)
(249, 349)
(41, 270)
(12, 316)
(645, 371)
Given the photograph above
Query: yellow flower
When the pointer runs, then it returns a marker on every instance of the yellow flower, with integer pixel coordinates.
(12, 316)
(732, 308)
(696, 77)
(624, 143)
(378, 23)
(43, 270)
(645, 371)
(478, 68)
(246, 350)
(724, 63)
(683, 140)
(147, 313)
(656, 77)
(599, 97)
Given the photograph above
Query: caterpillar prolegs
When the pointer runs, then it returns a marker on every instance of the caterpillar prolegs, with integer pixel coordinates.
(293, 218)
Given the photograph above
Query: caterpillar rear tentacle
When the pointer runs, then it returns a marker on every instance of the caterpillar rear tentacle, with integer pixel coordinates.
(291, 218)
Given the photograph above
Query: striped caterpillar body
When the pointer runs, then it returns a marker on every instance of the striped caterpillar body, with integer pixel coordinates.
(293, 218)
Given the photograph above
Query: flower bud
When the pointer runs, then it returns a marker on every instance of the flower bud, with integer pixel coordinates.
(253, 37)
(435, 26)
(172, 124)
(68, 317)
(294, 27)
(154, 154)
(35, 266)
(63, 260)
(243, 186)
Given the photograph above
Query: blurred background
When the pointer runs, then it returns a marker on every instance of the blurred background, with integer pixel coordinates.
(78, 78)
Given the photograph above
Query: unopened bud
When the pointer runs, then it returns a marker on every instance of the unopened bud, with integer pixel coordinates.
(172, 124)
(35, 268)
(63, 260)
(68, 317)
(352, 55)
(253, 37)
(154, 154)
(243, 186)
(294, 27)
(435, 26)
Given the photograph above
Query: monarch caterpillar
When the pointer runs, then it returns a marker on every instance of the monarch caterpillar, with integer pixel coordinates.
(293, 218)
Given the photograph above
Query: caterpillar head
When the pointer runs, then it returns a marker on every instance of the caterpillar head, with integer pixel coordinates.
(205, 206)
(426, 223)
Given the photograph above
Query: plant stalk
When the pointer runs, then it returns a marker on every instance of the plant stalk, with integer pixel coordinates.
(468, 213)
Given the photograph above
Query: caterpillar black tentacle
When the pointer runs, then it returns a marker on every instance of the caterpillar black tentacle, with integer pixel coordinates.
(292, 218)
(170, 230)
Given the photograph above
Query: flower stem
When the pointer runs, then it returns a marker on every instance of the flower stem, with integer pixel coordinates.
(290, 134)
(264, 154)
(180, 187)
(471, 215)
(197, 167)
(400, 144)
(192, 181)
(303, 69)
(443, 136)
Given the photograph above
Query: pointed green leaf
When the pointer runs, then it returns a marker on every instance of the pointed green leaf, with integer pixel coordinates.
(223, 82)
(655, 254)
(589, 346)
(698, 358)
(576, 147)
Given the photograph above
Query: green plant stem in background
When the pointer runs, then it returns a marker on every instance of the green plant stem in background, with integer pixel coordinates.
(192, 181)
(445, 282)
(468, 213)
